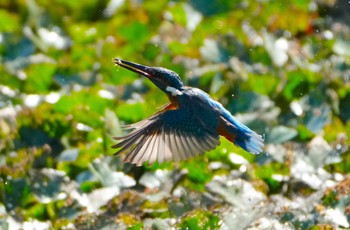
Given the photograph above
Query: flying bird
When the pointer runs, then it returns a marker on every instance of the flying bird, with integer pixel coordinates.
(188, 126)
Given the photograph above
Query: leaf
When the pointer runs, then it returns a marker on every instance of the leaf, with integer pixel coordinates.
(16, 192)
(277, 48)
(39, 78)
(33, 137)
(316, 119)
(246, 102)
(321, 153)
(109, 177)
(132, 112)
(243, 198)
(342, 47)
(210, 51)
(178, 14)
(297, 86)
(156, 179)
(135, 32)
(48, 185)
(212, 7)
(200, 219)
(238, 192)
(343, 107)
(97, 198)
(9, 22)
(280, 134)
(68, 155)
(198, 173)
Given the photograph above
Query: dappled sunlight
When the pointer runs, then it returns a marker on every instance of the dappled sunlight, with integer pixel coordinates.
(281, 69)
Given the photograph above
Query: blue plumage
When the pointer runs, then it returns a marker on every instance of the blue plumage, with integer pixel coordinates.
(245, 137)
(189, 125)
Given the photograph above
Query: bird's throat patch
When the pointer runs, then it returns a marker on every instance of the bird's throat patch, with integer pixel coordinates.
(174, 92)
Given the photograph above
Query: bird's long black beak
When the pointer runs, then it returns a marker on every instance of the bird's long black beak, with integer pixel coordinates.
(137, 68)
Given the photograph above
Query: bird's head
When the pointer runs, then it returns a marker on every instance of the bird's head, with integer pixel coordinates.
(166, 80)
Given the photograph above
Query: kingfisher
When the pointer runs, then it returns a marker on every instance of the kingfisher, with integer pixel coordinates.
(189, 125)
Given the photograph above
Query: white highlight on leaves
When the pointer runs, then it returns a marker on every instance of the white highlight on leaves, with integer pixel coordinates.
(193, 17)
(32, 100)
(53, 38)
(105, 94)
(296, 107)
(237, 159)
(52, 98)
(7, 91)
(83, 127)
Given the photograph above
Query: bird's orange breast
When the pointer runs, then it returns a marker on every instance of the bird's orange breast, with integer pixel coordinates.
(223, 131)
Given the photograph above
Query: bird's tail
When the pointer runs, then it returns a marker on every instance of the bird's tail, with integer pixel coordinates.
(249, 141)
(242, 136)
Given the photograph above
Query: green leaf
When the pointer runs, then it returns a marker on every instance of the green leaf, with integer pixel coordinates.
(198, 173)
(296, 86)
(134, 32)
(9, 22)
(200, 219)
(131, 112)
(16, 192)
(39, 78)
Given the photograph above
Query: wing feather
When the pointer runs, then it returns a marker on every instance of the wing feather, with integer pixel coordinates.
(167, 135)
(142, 152)
(150, 151)
(169, 151)
(153, 156)
(195, 142)
(186, 146)
(161, 151)
(194, 148)
(179, 150)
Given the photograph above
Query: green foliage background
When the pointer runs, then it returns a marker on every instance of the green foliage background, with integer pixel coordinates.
(282, 67)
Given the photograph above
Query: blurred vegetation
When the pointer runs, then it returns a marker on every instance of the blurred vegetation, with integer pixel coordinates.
(282, 67)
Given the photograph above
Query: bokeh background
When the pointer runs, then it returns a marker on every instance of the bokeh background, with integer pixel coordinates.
(282, 67)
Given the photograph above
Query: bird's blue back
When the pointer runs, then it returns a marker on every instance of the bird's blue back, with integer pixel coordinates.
(211, 111)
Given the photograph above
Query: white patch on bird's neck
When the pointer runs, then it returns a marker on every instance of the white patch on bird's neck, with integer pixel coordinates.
(174, 92)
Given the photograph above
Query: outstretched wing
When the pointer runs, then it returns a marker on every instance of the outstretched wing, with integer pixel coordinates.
(175, 134)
